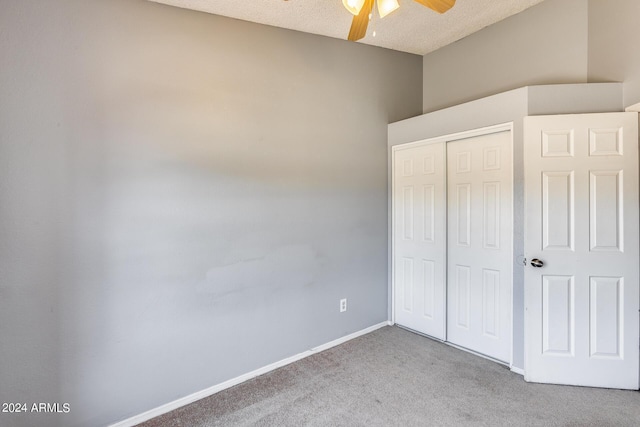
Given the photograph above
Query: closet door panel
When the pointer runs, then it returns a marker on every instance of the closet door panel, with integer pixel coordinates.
(419, 238)
(479, 249)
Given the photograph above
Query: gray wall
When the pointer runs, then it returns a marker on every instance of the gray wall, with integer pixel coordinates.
(184, 199)
(614, 45)
(545, 44)
(556, 41)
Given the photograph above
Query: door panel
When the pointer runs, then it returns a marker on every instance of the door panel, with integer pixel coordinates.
(558, 317)
(490, 302)
(462, 292)
(429, 275)
(606, 296)
(491, 215)
(479, 247)
(581, 220)
(606, 229)
(557, 210)
(419, 238)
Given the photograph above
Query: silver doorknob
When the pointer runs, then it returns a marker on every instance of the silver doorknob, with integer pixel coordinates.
(536, 263)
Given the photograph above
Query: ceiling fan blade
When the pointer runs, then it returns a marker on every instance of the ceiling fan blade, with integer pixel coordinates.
(440, 6)
(361, 22)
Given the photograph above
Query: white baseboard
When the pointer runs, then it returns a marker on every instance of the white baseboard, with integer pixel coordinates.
(516, 370)
(168, 407)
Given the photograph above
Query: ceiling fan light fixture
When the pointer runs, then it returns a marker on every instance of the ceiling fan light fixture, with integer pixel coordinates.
(353, 6)
(385, 7)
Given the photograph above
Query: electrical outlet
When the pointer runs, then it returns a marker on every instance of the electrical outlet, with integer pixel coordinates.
(343, 305)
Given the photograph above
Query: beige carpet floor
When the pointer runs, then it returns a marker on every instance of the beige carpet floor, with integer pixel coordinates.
(392, 377)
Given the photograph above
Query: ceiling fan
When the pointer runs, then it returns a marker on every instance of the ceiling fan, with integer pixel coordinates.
(362, 11)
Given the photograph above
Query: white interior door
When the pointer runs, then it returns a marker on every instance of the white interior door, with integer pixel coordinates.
(419, 238)
(480, 230)
(581, 229)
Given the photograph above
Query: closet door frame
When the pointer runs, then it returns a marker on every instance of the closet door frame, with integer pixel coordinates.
(509, 126)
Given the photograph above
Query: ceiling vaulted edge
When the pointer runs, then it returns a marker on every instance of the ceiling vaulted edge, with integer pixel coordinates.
(411, 28)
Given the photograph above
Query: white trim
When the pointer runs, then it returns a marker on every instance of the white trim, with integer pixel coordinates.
(487, 130)
(392, 225)
(167, 407)
(518, 371)
(513, 234)
(633, 108)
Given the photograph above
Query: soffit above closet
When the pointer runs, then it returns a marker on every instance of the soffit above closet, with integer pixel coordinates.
(412, 28)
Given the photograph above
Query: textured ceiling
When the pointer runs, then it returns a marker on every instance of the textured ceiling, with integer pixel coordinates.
(412, 28)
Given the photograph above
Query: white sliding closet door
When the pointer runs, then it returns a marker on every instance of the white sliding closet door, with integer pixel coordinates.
(419, 238)
(480, 236)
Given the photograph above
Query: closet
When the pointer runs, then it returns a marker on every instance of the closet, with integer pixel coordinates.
(520, 241)
(452, 239)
